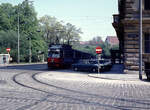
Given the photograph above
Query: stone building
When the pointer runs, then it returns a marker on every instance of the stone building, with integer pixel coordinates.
(126, 24)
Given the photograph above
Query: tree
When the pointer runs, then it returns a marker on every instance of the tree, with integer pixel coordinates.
(49, 25)
(52, 31)
(29, 27)
(27, 17)
(28, 24)
(72, 33)
(6, 16)
(55, 32)
(8, 39)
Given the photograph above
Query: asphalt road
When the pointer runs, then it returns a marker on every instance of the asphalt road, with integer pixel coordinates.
(33, 87)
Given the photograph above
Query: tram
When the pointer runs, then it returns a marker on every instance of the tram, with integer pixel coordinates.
(62, 55)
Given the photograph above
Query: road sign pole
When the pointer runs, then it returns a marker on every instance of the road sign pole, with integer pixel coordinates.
(18, 60)
(99, 58)
(99, 51)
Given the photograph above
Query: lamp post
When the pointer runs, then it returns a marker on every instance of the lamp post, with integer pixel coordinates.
(140, 40)
(18, 61)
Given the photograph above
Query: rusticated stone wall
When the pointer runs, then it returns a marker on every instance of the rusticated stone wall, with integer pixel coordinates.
(130, 26)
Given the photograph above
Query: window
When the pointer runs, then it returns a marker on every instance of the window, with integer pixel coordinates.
(147, 4)
(147, 43)
(54, 54)
(147, 68)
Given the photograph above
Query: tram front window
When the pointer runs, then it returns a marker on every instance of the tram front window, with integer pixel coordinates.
(54, 54)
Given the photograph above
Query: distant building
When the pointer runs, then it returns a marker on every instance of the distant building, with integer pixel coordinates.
(112, 40)
(95, 41)
(84, 42)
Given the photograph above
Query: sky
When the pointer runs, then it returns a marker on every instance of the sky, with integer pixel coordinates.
(94, 17)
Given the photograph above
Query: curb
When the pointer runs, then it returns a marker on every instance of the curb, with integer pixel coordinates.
(121, 77)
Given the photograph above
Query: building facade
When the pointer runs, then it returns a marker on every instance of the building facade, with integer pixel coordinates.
(126, 24)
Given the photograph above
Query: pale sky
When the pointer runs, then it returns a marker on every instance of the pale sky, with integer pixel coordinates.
(94, 17)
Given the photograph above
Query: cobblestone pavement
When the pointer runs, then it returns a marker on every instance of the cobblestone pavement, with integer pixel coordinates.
(35, 88)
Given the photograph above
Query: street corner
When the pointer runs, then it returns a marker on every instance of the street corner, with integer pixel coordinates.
(120, 77)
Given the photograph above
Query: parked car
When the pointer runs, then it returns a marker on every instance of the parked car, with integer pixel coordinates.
(92, 65)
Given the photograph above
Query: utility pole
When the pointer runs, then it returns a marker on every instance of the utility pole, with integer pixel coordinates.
(30, 54)
(140, 39)
(18, 38)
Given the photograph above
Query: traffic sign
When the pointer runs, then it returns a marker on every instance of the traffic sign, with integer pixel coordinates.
(8, 49)
(98, 50)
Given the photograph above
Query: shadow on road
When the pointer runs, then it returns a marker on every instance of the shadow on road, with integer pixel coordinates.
(37, 67)
(116, 69)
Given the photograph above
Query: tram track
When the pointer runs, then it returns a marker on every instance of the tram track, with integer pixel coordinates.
(30, 91)
(33, 77)
(48, 94)
(14, 78)
(24, 85)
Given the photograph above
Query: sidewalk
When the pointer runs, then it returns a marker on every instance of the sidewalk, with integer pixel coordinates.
(116, 73)
(17, 64)
(123, 77)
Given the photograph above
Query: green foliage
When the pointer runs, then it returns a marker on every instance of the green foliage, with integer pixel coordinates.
(55, 32)
(28, 17)
(91, 47)
(115, 47)
(28, 25)
(8, 40)
(51, 31)
(86, 48)
(6, 16)
(38, 45)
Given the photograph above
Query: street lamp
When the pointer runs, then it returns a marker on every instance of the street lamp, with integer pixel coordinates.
(18, 38)
(140, 40)
(18, 60)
